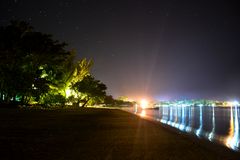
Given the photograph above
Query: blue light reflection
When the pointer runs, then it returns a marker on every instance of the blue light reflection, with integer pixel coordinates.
(210, 122)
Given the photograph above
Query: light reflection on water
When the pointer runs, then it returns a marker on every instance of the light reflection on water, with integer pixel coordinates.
(199, 131)
(212, 133)
(232, 141)
(213, 123)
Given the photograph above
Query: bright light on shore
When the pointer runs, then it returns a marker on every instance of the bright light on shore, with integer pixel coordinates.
(233, 103)
(144, 103)
(143, 113)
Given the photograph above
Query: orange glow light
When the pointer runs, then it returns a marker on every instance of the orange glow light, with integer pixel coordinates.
(144, 103)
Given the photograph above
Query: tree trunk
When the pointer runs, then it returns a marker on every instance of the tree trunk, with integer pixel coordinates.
(85, 103)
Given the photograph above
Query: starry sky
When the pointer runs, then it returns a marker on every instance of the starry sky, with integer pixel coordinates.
(159, 49)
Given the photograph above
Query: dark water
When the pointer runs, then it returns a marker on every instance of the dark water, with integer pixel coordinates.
(213, 123)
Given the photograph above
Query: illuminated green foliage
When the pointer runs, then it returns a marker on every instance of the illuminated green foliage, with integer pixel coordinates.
(90, 90)
(30, 62)
(34, 68)
(51, 99)
(76, 74)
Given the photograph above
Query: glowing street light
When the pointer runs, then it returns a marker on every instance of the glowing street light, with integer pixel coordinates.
(144, 103)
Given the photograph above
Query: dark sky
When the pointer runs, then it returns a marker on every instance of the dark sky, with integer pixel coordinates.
(158, 49)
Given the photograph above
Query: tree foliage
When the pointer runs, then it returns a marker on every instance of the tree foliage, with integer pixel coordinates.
(36, 68)
(29, 62)
(80, 70)
(89, 89)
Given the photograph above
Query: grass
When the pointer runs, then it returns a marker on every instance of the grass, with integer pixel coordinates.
(89, 133)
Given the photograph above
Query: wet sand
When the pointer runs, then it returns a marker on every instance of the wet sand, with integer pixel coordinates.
(89, 133)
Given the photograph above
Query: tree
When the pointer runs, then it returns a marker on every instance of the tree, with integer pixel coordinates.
(11, 58)
(109, 100)
(89, 89)
(75, 74)
(27, 59)
(36, 68)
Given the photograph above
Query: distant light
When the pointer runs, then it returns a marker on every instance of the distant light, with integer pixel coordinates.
(144, 103)
(235, 103)
(229, 103)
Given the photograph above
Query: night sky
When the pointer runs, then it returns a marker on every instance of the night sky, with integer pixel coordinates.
(156, 49)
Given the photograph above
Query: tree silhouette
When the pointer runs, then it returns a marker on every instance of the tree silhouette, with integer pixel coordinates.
(89, 89)
(28, 58)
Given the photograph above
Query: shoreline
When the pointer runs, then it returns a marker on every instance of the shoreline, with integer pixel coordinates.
(206, 143)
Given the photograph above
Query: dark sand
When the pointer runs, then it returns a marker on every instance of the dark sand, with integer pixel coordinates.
(97, 134)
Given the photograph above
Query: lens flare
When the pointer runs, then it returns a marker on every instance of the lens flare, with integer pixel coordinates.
(143, 113)
(144, 103)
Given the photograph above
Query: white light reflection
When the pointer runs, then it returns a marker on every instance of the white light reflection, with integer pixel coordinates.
(164, 115)
(176, 118)
(188, 127)
(170, 117)
(212, 133)
(199, 131)
(183, 124)
(178, 115)
(236, 129)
